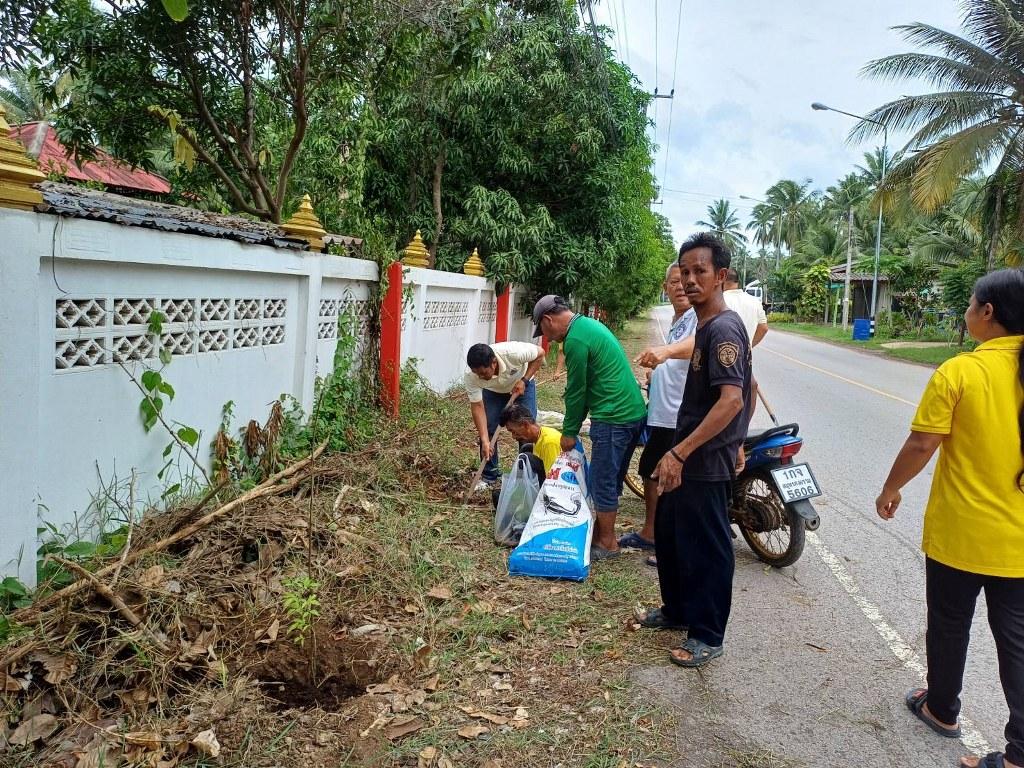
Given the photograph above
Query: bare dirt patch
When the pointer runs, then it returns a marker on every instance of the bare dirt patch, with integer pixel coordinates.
(914, 344)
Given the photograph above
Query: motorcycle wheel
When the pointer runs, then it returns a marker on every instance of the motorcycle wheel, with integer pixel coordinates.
(774, 532)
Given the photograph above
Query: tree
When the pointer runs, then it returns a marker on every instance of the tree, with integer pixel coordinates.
(814, 290)
(975, 118)
(794, 205)
(546, 162)
(724, 222)
(233, 83)
(846, 194)
(764, 225)
(500, 125)
(22, 100)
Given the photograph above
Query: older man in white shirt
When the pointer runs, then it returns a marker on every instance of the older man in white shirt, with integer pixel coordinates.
(747, 307)
(496, 372)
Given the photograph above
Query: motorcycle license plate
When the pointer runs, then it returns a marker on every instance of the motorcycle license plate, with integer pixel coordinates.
(795, 482)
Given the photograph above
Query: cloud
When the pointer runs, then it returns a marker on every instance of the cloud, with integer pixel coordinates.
(747, 73)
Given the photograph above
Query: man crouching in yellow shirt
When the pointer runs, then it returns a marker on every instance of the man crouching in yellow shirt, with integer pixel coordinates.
(523, 427)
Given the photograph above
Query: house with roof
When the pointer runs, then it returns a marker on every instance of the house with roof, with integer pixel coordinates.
(55, 160)
(860, 290)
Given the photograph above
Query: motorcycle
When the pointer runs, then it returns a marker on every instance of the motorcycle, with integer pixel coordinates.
(771, 502)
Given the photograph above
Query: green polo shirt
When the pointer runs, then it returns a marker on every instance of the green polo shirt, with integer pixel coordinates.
(599, 378)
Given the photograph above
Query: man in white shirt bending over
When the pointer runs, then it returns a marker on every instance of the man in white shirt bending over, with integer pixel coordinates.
(747, 307)
(496, 372)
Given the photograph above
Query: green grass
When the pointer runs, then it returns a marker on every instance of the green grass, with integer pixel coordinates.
(933, 356)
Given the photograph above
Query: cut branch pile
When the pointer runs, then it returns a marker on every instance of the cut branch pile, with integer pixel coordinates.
(191, 657)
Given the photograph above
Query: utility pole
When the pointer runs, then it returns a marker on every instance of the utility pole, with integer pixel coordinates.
(849, 266)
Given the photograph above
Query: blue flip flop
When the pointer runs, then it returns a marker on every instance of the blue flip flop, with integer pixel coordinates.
(634, 540)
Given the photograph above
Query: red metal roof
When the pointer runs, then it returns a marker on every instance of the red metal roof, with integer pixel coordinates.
(113, 173)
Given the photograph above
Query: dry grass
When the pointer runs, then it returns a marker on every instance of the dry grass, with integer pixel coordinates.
(421, 636)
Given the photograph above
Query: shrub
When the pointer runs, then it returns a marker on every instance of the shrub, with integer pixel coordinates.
(780, 317)
(902, 326)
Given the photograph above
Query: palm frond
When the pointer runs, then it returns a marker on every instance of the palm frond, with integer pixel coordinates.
(931, 115)
(941, 71)
(999, 24)
(959, 48)
(946, 162)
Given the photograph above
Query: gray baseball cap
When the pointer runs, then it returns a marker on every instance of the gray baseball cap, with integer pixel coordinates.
(544, 305)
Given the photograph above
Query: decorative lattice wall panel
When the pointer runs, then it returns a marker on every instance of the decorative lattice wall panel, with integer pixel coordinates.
(104, 330)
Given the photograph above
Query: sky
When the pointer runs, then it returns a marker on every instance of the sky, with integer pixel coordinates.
(746, 74)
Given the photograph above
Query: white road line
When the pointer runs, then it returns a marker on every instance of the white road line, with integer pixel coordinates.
(970, 737)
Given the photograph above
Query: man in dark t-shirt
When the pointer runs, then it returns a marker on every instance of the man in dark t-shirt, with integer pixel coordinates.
(692, 535)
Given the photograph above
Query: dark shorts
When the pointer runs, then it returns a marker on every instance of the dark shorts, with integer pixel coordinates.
(612, 447)
(659, 441)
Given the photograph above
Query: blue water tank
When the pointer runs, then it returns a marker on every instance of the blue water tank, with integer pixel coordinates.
(861, 330)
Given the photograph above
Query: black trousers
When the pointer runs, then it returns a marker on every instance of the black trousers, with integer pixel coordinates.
(695, 557)
(951, 596)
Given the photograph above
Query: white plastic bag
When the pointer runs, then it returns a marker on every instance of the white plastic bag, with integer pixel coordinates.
(556, 541)
(518, 493)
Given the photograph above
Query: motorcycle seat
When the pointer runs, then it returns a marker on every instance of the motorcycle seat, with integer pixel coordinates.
(760, 435)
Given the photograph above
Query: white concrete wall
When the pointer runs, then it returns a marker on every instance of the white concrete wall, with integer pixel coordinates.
(245, 323)
(448, 313)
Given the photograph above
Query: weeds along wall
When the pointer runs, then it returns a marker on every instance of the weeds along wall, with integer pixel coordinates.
(240, 323)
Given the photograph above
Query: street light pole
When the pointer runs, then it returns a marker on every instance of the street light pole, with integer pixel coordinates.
(849, 266)
(878, 231)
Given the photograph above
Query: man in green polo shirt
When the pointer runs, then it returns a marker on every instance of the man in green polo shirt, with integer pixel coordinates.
(599, 382)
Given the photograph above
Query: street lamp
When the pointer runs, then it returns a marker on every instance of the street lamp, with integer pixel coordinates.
(778, 229)
(818, 106)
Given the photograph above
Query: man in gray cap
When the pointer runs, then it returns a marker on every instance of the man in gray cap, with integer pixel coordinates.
(599, 381)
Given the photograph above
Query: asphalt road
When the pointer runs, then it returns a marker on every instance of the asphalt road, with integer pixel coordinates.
(819, 655)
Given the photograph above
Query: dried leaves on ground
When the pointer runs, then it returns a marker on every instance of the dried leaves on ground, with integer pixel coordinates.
(423, 653)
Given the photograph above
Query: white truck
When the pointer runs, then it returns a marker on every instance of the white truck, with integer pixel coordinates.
(759, 291)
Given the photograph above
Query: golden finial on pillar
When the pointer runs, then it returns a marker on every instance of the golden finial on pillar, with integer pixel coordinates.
(18, 172)
(304, 224)
(474, 265)
(415, 253)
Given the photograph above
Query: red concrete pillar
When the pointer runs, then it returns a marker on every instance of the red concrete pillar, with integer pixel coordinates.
(501, 319)
(391, 340)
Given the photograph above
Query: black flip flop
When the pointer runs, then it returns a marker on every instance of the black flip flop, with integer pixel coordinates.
(655, 619)
(915, 700)
(700, 653)
(991, 760)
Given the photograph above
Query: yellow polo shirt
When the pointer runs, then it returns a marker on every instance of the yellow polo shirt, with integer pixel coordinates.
(548, 447)
(975, 516)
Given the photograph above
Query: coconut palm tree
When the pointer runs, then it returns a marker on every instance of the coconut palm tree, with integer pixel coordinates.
(795, 204)
(957, 233)
(22, 99)
(762, 225)
(723, 221)
(821, 244)
(973, 120)
(846, 195)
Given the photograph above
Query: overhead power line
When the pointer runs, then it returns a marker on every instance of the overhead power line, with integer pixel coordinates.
(625, 31)
(672, 101)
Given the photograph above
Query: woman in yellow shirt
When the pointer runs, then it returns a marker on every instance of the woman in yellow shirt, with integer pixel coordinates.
(972, 411)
